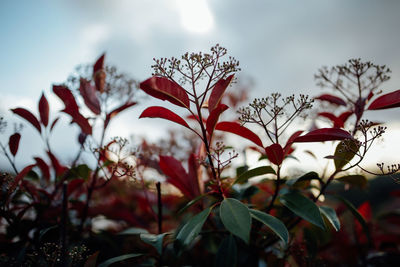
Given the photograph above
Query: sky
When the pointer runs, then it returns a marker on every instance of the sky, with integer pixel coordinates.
(280, 45)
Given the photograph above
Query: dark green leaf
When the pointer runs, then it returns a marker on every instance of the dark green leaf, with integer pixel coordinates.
(236, 218)
(306, 177)
(303, 207)
(356, 180)
(191, 203)
(330, 215)
(133, 231)
(118, 259)
(254, 172)
(192, 228)
(344, 152)
(82, 171)
(273, 223)
(240, 170)
(357, 215)
(227, 253)
(154, 240)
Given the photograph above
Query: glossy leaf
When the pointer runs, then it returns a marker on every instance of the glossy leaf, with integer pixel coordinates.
(191, 203)
(192, 228)
(213, 118)
(344, 152)
(227, 252)
(218, 91)
(289, 142)
(303, 207)
(44, 110)
(236, 128)
(13, 143)
(330, 215)
(390, 100)
(59, 169)
(324, 134)
(276, 225)
(236, 218)
(274, 153)
(88, 93)
(27, 115)
(254, 172)
(74, 185)
(355, 180)
(331, 99)
(133, 231)
(118, 259)
(163, 113)
(177, 176)
(72, 109)
(357, 215)
(154, 240)
(99, 74)
(306, 177)
(165, 89)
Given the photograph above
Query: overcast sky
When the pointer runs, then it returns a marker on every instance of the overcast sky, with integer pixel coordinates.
(280, 44)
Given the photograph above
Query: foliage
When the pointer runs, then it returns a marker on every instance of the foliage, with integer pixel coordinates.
(210, 212)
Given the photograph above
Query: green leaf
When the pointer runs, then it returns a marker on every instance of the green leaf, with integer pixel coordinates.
(330, 215)
(236, 218)
(133, 231)
(240, 170)
(345, 151)
(191, 203)
(154, 240)
(276, 225)
(254, 172)
(82, 171)
(355, 180)
(306, 177)
(227, 253)
(303, 207)
(357, 215)
(192, 228)
(119, 258)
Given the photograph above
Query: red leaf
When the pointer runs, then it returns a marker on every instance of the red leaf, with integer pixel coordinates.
(74, 184)
(213, 118)
(27, 115)
(345, 116)
(54, 123)
(194, 179)
(116, 111)
(99, 65)
(177, 175)
(88, 92)
(66, 96)
(163, 113)
(44, 168)
(59, 169)
(13, 143)
(324, 134)
(236, 128)
(331, 99)
(217, 92)
(337, 123)
(289, 142)
(72, 108)
(165, 89)
(44, 110)
(17, 179)
(274, 153)
(390, 100)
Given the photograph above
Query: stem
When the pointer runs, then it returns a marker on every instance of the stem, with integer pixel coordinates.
(277, 185)
(63, 226)
(159, 202)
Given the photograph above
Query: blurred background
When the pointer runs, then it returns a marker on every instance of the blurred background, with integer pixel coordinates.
(280, 46)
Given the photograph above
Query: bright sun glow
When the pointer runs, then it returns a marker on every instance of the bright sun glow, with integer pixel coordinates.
(195, 15)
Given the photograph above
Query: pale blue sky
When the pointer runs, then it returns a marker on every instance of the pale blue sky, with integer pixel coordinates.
(280, 44)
